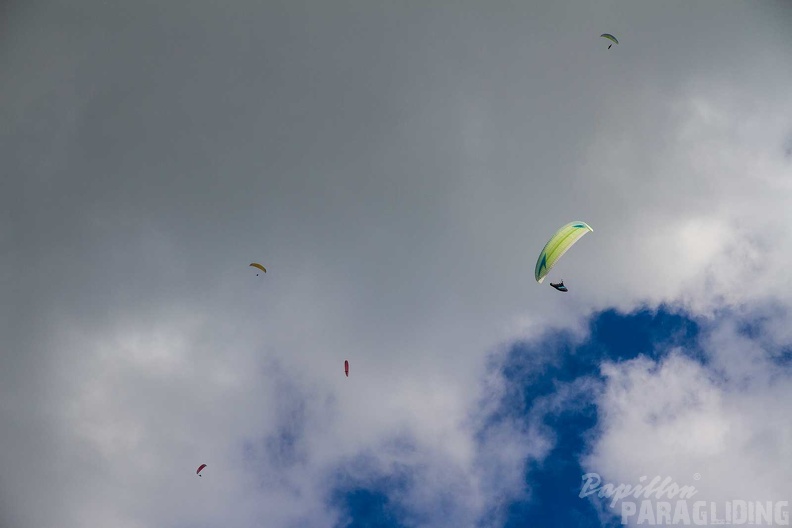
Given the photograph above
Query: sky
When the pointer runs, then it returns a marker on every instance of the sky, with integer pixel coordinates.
(397, 167)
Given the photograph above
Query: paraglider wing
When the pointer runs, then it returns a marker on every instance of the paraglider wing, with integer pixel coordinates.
(259, 266)
(611, 38)
(346, 368)
(199, 469)
(559, 243)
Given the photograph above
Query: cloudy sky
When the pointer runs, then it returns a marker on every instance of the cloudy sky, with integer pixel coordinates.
(396, 166)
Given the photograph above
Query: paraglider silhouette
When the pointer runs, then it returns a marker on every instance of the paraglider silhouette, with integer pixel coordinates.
(259, 266)
(198, 472)
(346, 368)
(611, 38)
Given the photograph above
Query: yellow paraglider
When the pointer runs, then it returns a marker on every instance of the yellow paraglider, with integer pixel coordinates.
(559, 243)
(259, 266)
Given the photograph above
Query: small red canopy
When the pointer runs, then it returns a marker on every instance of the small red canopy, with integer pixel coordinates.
(200, 468)
(346, 368)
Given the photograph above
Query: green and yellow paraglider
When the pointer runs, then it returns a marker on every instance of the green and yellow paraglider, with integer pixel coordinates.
(259, 266)
(559, 243)
(611, 38)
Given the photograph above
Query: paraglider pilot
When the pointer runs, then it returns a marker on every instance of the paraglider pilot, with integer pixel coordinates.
(560, 286)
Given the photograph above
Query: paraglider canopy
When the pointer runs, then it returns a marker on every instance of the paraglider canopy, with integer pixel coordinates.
(198, 472)
(611, 38)
(559, 243)
(259, 266)
(346, 368)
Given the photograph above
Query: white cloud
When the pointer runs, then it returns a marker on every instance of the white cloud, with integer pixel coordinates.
(723, 427)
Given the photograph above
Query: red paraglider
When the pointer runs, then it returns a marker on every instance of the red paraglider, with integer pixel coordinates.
(199, 470)
(346, 368)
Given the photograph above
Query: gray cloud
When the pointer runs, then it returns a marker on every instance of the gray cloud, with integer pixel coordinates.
(396, 168)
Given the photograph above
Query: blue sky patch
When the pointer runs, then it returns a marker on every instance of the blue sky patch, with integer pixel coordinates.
(556, 365)
(536, 369)
(366, 508)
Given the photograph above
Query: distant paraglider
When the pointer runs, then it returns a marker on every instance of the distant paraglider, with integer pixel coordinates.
(611, 38)
(199, 470)
(259, 266)
(559, 243)
(346, 368)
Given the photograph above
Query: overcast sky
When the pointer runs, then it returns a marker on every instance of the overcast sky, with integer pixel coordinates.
(397, 167)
